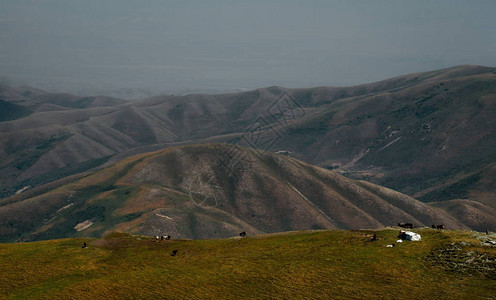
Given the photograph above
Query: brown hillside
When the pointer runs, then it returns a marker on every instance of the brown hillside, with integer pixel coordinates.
(417, 133)
(207, 191)
(474, 214)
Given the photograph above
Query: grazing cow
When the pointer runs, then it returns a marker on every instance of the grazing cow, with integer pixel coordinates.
(406, 225)
(433, 226)
(242, 234)
(84, 245)
(167, 237)
(174, 252)
(374, 237)
(440, 226)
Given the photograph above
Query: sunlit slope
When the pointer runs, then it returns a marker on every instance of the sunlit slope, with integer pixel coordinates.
(325, 264)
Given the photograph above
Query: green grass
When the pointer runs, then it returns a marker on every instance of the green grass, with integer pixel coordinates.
(321, 264)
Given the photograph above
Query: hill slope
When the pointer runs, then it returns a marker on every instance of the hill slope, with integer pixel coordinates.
(325, 264)
(206, 191)
(419, 133)
(419, 139)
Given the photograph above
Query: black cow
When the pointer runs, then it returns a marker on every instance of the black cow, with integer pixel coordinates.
(406, 225)
(242, 234)
(174, 252)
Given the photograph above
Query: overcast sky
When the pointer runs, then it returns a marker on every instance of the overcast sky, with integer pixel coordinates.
(220, 44)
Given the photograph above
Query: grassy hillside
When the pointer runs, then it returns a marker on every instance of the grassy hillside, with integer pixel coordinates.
(209, 191)
(321, 264)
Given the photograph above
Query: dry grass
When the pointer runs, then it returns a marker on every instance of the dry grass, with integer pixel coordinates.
(321, 264)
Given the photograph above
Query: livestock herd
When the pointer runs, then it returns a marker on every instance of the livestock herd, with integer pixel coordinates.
(243, 234)
(410, 226)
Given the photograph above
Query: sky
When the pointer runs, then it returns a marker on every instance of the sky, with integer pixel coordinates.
(67, 45)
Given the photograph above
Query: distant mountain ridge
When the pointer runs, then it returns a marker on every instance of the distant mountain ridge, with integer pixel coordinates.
(431, 135)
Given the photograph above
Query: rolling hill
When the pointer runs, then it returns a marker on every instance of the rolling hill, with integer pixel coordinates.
(427, 135)
(298, 265)
(430, 135)
(208, 191)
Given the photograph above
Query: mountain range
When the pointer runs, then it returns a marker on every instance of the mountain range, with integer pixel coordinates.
(430, 136)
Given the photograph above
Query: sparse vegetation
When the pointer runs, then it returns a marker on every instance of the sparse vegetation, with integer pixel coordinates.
(322, 264)
(393, 133)
(188, 192)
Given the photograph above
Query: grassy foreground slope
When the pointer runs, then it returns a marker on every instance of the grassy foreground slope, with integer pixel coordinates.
(311, 264)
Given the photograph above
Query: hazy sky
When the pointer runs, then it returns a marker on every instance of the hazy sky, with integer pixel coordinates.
(170, 45)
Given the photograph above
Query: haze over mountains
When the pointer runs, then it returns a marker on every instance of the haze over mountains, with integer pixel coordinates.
(429, 135)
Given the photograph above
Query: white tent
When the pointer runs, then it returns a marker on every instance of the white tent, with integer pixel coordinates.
(412, 236)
